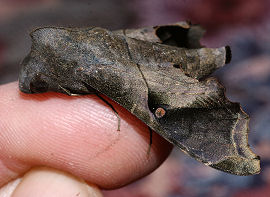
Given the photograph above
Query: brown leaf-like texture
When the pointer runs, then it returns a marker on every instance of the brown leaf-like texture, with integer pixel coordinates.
(159, 74)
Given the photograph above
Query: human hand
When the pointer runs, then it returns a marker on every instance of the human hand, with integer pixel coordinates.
(76, 135)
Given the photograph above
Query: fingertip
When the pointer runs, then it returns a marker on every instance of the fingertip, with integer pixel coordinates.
(46, 182)
(74, 134)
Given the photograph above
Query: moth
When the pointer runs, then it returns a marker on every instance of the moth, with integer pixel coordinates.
(160, 74)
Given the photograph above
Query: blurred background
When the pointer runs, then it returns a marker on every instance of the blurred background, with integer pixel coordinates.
(242, 24)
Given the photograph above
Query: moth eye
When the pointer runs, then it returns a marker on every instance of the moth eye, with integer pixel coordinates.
(160, 112)
(38, 86)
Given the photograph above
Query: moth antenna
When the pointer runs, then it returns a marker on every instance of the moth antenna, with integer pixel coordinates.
(150, 141)
(114, 110)
(106, 102)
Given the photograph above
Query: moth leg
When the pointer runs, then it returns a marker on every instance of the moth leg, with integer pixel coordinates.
(68, 92)
(110, 105)
(150, 140)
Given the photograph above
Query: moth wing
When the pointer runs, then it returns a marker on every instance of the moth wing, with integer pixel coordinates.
(201, 121)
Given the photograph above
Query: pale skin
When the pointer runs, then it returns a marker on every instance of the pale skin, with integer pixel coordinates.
(76, 139)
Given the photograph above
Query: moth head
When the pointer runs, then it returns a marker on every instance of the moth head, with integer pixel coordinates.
(49, 66)
(31, 79)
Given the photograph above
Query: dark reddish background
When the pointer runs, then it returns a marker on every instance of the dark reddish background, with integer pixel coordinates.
(242, 24)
